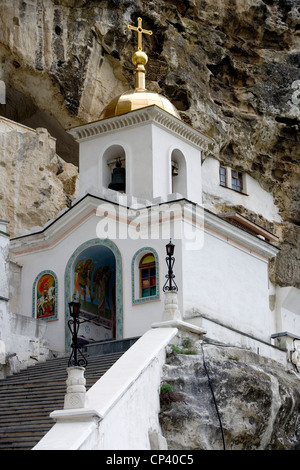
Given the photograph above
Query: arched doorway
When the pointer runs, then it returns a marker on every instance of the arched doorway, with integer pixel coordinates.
(94, 277)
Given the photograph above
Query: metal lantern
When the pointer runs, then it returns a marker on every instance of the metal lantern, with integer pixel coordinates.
(170, 248)
(170, 284)
(74, 308)
(74, 324)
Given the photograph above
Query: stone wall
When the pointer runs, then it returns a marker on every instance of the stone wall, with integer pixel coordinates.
(22, 340)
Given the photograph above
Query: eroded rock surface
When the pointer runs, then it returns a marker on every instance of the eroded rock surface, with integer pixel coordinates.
(36, 184)
(258, 402)
(231, 67)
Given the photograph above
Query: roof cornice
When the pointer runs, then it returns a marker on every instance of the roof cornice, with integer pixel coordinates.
(138, 117)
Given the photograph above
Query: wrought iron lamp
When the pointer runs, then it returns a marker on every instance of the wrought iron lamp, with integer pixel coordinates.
(74, 324)
(170, 284)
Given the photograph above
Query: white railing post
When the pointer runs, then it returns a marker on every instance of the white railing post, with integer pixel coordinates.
(76, 391)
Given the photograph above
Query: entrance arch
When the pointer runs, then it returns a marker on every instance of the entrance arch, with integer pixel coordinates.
(93, 275)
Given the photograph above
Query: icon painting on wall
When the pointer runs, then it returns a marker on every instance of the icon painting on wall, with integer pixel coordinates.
(93, 285)
(46, 297)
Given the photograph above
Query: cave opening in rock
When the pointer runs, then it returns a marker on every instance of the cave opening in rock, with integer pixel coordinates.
(21, 108)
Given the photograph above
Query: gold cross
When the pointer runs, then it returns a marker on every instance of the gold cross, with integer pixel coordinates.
(140, 32)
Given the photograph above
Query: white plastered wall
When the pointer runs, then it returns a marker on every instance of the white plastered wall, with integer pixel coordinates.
(229, 284)
(148, 151)
(222, 280)
(137, 318)
(256, 198)
(288, 309)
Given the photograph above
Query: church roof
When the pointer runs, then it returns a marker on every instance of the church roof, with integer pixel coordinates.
(240, 221)
(136, 99)
(86, 206)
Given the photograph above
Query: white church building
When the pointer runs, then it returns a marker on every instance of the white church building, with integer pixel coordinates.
(143, 180)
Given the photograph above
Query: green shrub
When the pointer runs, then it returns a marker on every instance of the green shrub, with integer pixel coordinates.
(179, 350)
(166, 388)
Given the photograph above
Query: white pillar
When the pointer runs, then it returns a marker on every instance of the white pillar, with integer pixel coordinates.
(172, 317)
(171, 311)
(76, 391)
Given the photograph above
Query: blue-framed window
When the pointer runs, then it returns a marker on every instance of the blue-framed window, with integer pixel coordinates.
(145, 276)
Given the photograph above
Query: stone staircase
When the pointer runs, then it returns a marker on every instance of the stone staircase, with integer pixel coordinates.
(29, 396)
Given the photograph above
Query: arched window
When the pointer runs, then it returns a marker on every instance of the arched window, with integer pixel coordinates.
(145, 276)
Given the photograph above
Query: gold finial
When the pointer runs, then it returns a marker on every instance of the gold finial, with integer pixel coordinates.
(139, 58)
(140, 32)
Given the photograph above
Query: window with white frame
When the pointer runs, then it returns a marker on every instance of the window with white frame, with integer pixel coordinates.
(223, 172)
(232, 179)
(237, 181)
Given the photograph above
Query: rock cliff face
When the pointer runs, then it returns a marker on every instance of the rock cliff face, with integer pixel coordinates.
(35, 182)
(231, 67)
(253, 404)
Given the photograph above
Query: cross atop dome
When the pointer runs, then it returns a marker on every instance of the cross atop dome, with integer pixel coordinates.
(140, 58)
(140, 32)
(139, 97)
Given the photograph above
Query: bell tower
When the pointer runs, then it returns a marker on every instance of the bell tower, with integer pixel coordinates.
(140, 146)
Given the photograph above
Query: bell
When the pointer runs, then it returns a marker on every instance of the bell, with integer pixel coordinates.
(174, 169)
(118, 182)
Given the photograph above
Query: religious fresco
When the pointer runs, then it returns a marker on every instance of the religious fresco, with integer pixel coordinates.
(93, 285)
(46, 297)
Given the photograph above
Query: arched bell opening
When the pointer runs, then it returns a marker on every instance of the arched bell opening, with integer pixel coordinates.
(114, 168)
(178, 173)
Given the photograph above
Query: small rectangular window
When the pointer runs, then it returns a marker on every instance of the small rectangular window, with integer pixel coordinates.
(222, 176)
(237, 181)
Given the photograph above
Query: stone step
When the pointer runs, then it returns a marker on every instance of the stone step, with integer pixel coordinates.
(30, 405)
(25, 419)
(44, 385)
(35, 373)
(23, 431)
(34, 419)
(26, 444)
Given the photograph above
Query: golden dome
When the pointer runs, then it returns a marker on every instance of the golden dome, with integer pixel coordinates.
(136, 99)
(139, 97)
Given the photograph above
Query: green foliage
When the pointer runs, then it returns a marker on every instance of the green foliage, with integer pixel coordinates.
(233, 358)
(187, 343)
(183, 350)
(166, 388)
